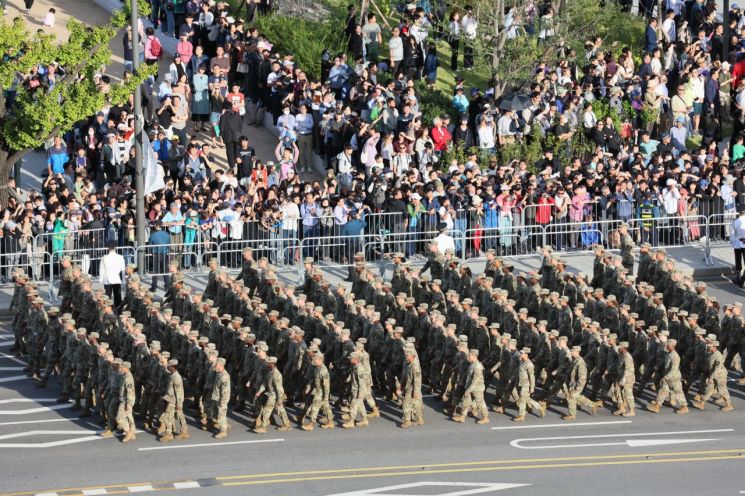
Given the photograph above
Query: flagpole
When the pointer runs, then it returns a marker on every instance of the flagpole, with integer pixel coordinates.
(139, 179)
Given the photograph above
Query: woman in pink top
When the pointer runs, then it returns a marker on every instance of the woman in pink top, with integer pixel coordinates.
(287, 159)
(576, 210)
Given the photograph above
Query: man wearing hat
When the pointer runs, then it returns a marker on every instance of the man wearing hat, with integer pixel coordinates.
(355, 394)
(671, 386)
(273, 391)
(411, 390)
(526, 388)
(318, 392)
(627, 247)
(124, 417)
(718, 375)
(575, 384)
(174, 410)
(220, 398)
(625, 382)
(474, 391)
(52, 346)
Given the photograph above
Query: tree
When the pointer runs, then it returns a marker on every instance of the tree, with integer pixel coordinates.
(29, 117)
(512, 60)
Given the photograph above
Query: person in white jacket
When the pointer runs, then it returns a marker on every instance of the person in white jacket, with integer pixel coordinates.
(111, 274)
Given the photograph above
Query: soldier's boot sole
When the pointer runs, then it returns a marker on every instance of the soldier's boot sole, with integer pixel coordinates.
(497, 409)
(542, 411)
(620, 411)
(348, 425)
(363, 423)
(727, 408)
(375, 413)
(284, 427)
(697, 404)
(107, 433)
(697, 397)
(682, 410)
(569, 417)
(630, 413)
(182, 436)
(328, 425)
(128, 437)
(259, 430)
(419, 421)
(653, 407)
(521, 418)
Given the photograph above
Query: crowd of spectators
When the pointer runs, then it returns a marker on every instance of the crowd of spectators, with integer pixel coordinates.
(384, 166)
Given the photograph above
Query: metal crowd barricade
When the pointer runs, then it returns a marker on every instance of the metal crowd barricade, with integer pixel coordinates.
(718, 229)
(24, 255)
(580, 236)
(506, 241)
(280, 251)
(72, 240)
(382, 223)
(156, 262)
(414, 243)
(670, 231)
(338, 252)
(89, 260)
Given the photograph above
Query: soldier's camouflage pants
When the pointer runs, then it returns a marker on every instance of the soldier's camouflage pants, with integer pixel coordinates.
(575, 398)
(52, 360)
(524, 401)
(171, 417)
(626, 394)
(112, 409)
(412, 408)
(79, 383)
(220, 418)
(718, 385)
(271, 406)
(672, 389)
(357, 408)
(125, 419)
(318, 404)
(67, 374)
(475, 400)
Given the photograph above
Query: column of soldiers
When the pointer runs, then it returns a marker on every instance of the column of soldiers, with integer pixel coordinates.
(259, 345)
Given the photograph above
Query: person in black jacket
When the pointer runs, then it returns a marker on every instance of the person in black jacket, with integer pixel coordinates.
(463, 135)
(231, 129)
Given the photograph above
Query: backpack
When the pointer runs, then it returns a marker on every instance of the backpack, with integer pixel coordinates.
(155, 47)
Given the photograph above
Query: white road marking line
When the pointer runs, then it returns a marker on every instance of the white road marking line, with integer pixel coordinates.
(4, 369)
(11, 357)
(578, 424)
(479, 487)
(94, 492)
(45, 494)
(39, 421)
(139, 489)
(215, 444)
(28, 400)
(186, 485)
(52, 444)
(14, 378)
(34, 410)
(45, 432)
(630, 442)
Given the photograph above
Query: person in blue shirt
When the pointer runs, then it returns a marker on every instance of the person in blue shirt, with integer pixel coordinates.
(650, 36)
(57, 157)
(352, 232)
(158, 248)
(460, 102)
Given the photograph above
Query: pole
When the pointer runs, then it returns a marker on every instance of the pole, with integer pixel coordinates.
(139, 177)
(725, 35)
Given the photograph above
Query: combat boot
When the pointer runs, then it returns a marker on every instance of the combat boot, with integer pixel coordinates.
(593, 409)
(497, 409)
(720, 401)
(128, 436)
(260, 429)
(375, 412)
(697, 397)
(697, 404)
(42, 382)
(328, 425)
(363, 423)
(727, 407)
(307, 427)
(483, 420)
(542, 412)
(183, 435)
(76, 406)
(459, 418)
(630, 413)
(653, 407)
(221, 435)
(621, 410)
(569, 417)
(405, 424)
(741, 382)
(519, 418)
(167, 436)
(682, 410)
(349, 424)
(107, 433)
(284, 427)
(419, 421)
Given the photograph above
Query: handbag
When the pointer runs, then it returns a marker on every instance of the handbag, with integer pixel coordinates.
(242, 68)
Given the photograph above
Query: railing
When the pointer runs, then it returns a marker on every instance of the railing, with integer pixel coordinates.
(89, 260)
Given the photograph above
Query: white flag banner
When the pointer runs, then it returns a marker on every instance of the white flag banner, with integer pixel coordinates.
(153, 172)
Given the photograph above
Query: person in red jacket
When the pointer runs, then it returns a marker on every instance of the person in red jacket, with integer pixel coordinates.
(544, 213)
(441, 137)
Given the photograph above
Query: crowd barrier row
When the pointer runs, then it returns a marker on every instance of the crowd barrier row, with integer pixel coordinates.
(286, 249)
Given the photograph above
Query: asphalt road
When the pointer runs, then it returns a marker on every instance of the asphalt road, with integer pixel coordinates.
(46, 449)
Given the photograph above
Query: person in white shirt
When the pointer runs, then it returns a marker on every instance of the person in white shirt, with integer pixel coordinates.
(469, 27)
(737, 240)
(669, 28)
(111, 270)
(444, 241)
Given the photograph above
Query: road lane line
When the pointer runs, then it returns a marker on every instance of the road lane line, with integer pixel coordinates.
(7, 369)
(140, 489)
(215, 444)
(28, 400)
(14, 378)
(186, 485)
(39, 421)
(543, 426)
(517, 442)
(94, 492)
